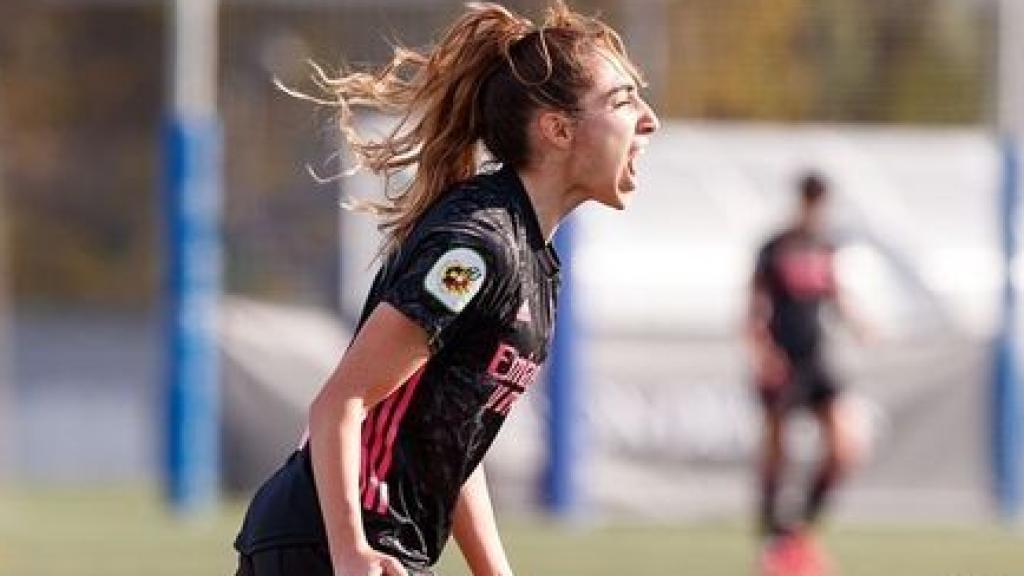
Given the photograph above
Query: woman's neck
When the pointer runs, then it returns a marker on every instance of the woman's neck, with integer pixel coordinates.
(552, 200)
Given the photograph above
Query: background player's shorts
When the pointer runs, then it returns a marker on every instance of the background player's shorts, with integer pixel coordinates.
(811, 385)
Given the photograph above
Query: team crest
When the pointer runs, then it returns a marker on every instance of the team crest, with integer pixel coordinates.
(456, 277)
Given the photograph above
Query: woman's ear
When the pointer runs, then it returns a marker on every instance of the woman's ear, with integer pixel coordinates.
(556, 128)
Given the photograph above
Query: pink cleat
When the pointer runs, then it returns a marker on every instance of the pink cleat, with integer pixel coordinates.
(796, 554)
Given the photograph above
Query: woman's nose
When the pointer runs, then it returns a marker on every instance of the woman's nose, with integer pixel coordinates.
(648, 119)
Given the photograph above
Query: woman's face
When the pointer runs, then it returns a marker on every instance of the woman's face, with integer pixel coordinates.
(610, 133)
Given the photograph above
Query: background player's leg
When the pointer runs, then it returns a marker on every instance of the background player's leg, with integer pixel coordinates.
(772, 465)
(835, 458)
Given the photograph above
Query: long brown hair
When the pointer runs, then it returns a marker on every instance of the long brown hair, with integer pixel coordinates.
(481, 83)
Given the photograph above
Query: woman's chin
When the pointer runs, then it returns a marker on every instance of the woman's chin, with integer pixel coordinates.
(623, 198)
(618, 196)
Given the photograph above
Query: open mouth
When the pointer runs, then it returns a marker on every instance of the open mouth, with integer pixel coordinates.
(631, 162)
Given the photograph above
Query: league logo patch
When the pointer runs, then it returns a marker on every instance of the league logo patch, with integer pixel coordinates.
(456, 277)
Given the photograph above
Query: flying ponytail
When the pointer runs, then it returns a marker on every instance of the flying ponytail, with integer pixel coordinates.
(481, 83)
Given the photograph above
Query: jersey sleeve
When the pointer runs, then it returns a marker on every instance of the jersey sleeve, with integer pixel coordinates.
(447, 275)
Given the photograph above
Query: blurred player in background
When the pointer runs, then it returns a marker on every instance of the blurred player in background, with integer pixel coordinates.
(459, 318)
(794, 277)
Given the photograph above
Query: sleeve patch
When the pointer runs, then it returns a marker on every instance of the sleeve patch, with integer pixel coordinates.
(456, 277)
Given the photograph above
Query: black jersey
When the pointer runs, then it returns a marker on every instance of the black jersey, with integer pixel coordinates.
(795, 269)
(478, 276)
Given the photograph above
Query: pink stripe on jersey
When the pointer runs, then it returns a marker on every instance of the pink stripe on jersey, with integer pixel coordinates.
(381, 414)
(386, 416)
(393, 428)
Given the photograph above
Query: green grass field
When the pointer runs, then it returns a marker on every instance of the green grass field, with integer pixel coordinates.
(121, 533)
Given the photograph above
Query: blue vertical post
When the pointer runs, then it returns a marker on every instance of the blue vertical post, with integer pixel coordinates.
(192, 208)
(1006, 410)
(561, 487)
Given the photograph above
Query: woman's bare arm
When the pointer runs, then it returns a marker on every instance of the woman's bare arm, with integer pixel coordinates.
(388, 350)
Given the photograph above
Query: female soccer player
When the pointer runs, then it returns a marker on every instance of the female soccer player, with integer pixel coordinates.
(794, 277)
(457, 321)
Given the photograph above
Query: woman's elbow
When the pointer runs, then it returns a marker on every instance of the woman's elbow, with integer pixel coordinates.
(331, 406)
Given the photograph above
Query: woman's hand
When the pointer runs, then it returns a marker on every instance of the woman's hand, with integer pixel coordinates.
(772, 367)
(368, 562)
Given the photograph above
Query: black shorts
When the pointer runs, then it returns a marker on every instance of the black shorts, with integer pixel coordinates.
(811, 384)
(298, 560)
(286, 561)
